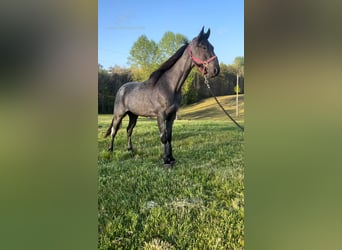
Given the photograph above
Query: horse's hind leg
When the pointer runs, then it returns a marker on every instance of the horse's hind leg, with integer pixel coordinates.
(132, 122)
(115, 127)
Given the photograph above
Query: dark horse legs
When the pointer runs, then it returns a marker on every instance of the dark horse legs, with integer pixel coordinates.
(132, 121)
(165, 127)
(114, 129)
(165, 123)
(116, 125)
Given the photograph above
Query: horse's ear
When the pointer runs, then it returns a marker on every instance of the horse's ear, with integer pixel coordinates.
(206, 35)
(200, 35)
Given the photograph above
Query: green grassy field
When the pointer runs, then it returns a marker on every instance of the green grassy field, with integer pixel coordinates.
(198, 204)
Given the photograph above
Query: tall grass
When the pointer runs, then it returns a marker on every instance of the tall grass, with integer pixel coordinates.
(198, 204)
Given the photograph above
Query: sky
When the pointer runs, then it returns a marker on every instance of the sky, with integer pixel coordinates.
(121, 22)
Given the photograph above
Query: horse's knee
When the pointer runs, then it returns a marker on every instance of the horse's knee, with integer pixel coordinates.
(163, 138)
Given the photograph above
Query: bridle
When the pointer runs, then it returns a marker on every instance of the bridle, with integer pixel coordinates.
(200, 64)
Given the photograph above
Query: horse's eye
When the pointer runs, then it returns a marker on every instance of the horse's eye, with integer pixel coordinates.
(204, 47)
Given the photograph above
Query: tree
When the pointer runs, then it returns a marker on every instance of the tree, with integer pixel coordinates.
(239, 63)
(103, 87)
(189, 91)
(168, 45)
(100, 68)
(239, 69)
(146, 55)
(143, 58)
(108, 84)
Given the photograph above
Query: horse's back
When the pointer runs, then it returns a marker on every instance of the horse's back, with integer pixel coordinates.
(134, 97)
(126, 89)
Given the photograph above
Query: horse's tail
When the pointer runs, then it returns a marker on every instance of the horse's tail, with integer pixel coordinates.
(109, 130)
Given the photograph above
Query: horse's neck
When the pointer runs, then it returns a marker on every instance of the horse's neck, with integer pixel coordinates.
(177, 75)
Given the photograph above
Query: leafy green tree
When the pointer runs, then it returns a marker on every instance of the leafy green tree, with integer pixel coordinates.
(103, 88)
(108, 84)
(143, 58)
(168, 45)
(239, 63)
(143, 52)
(146, 55)
(190, 94)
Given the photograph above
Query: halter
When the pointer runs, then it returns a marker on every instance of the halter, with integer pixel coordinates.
(201, 65)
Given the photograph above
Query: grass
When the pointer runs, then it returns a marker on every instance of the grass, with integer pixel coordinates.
(198, 204)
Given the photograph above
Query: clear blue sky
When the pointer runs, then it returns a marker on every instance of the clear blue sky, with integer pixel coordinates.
(121, 22)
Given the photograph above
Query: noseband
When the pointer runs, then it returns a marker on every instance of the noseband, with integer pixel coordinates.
(201, 65)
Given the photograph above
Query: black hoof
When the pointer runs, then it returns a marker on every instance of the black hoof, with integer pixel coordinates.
(110, 150)
(169, 163)
(131, 151)
(168, 166)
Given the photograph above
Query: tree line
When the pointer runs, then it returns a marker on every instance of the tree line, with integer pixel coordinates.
(145, 57)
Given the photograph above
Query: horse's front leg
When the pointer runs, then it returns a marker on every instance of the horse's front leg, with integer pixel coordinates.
(165, 128)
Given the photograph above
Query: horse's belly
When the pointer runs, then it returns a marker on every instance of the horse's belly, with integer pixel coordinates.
(141, 109)
(140, 103)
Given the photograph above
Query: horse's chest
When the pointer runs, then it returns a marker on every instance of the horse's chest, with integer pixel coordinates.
(171, 106)
(173, 100)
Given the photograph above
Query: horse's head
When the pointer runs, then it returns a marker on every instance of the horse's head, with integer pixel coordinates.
(203, 56)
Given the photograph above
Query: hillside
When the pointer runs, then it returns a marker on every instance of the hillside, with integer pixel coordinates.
(208, 109)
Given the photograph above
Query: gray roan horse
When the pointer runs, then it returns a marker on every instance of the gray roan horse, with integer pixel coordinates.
(160, 95)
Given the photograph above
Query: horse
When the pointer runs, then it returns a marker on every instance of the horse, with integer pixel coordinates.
(160, 95)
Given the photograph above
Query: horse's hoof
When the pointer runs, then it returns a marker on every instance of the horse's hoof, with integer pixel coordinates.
(131, 151)
(169, 163)
(110, 149)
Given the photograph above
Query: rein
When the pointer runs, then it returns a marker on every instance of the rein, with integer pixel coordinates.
(201, 65)
(211, 92)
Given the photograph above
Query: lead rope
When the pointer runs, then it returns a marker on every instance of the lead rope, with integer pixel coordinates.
(211, 92)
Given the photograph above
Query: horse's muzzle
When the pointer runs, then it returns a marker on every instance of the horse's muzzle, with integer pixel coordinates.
(213, 72)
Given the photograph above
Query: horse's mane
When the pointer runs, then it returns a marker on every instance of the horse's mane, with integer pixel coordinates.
(166, 65)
